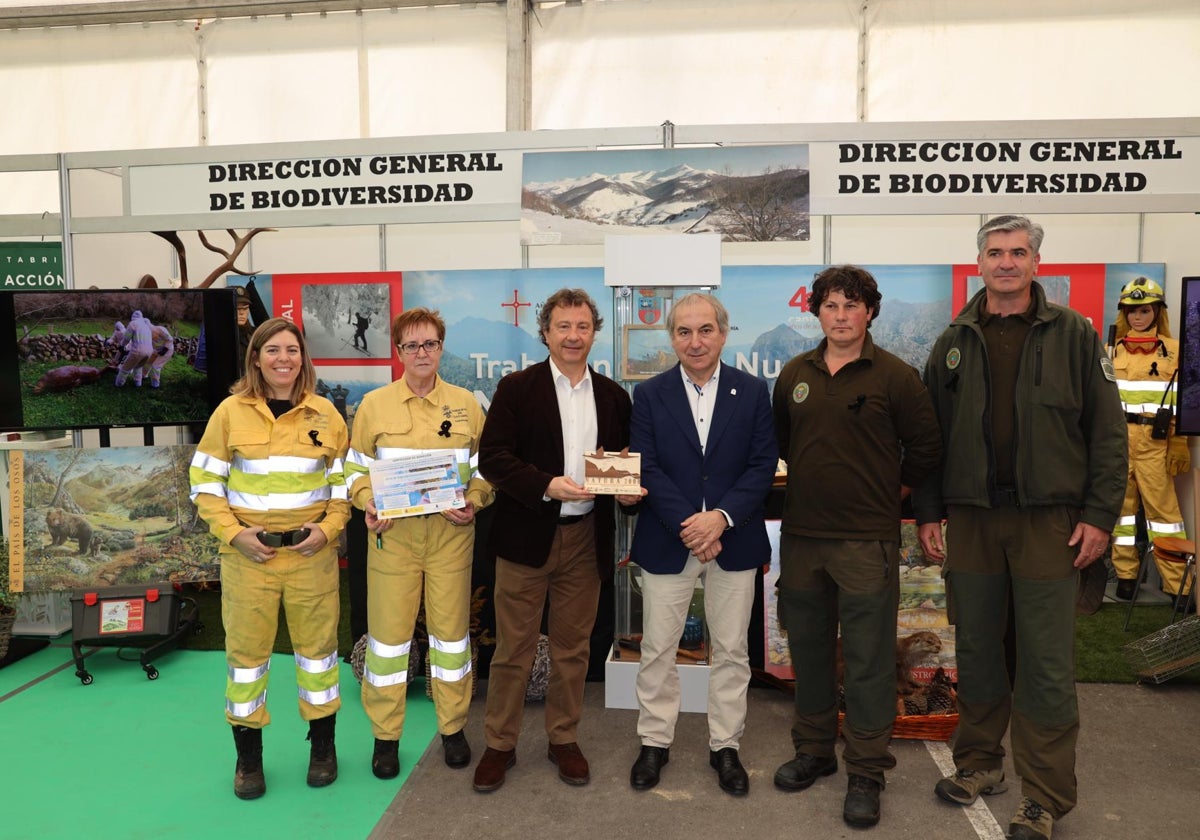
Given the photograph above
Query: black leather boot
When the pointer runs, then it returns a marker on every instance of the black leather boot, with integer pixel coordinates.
(322, 754)
(248, 779)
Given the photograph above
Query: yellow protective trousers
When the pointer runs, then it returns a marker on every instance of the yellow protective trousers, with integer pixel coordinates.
(1148, 486)
(250, 597)
(418, 553)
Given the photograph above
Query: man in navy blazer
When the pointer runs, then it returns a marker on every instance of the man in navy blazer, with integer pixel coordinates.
(704, 431)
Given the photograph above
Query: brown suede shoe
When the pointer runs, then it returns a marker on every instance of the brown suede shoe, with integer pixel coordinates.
(572, 766)
(489, 772)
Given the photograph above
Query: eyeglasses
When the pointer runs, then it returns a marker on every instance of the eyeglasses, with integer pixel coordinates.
(431, 346)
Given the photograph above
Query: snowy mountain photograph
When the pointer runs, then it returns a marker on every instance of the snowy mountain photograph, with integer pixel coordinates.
(744, 193)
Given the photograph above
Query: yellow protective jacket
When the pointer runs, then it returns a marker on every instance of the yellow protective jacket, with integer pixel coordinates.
(253, 469)
(393, 421)
(1142, 377)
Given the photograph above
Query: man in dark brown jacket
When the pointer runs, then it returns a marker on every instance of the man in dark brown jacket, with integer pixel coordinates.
(549, 535)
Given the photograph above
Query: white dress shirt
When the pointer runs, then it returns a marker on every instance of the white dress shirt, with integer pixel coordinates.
(577, 409)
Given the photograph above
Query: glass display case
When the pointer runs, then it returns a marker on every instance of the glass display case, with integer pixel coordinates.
(693, 643)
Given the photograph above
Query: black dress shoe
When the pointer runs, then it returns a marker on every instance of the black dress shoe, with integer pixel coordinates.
(644, 773)
(455, 749)
(861, 809)
(803, 770)
(730, 773)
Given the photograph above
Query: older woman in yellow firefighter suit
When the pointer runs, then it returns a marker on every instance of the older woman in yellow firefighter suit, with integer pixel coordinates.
(431, 552)
(268, 479)
(1145, 357)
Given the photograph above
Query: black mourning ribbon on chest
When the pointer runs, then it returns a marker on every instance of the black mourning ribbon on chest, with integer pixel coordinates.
(445, 430)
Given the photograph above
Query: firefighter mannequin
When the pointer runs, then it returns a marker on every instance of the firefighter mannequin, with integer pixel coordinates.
(1145, 357)
(427, 555)
(268, 479)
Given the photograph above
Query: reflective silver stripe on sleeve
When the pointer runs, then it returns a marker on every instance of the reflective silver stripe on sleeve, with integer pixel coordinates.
(214, 488)
(210, 464)
(353, 478)
(360, 459)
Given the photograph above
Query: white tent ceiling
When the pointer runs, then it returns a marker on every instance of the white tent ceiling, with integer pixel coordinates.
(446, 69)
(442, 69)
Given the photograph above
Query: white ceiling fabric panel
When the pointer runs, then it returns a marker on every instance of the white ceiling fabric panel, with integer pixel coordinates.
(279, 79)
(694, 62)
(1031, 59)
(119, 87)
(436, 70)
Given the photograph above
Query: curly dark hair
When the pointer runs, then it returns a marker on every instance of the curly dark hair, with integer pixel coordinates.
(853, 282)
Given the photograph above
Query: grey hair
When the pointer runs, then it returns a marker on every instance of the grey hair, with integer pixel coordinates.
(1010, 224)
(700, 297)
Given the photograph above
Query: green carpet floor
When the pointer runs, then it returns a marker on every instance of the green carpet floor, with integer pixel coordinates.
(131, 758)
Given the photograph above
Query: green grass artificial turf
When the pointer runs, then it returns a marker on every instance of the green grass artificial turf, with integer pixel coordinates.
(1099, 642)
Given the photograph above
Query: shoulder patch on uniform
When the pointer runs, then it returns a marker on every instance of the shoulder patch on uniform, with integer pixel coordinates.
(953, 358)
(800, 393)
(1106, 366)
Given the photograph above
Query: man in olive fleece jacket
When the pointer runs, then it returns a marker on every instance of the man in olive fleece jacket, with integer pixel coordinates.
(1031, 488)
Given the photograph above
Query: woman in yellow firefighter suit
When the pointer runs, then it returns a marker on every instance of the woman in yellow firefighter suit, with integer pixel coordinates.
(1145, 357)
(432, 552)
(268, 479)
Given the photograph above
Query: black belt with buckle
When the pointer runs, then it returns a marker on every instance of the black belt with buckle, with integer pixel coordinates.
(571, 520)
(283, 539)
(1139, 419)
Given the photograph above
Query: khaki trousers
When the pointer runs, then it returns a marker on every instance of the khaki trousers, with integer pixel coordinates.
(250, 597)
(728, 598)
(1149, 487)
(569, 577)
(420, 553)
